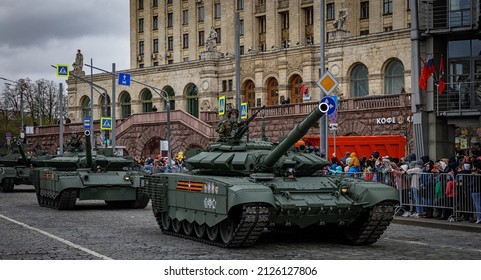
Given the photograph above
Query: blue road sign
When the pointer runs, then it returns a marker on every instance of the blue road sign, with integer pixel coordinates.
(106, 123)
(86, 123)
(243, 110)
(62, 70)
(331, 102)
(124, 79)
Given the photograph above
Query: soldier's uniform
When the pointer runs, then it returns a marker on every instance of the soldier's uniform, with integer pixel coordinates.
(228, 126)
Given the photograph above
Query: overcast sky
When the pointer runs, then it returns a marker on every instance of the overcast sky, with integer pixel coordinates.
(37, 33)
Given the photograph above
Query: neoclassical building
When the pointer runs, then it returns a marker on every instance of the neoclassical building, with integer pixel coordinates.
(185, 49)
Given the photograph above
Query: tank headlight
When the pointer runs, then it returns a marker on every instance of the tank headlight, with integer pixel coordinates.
(126, 177)
(344, 190)
(86, 177)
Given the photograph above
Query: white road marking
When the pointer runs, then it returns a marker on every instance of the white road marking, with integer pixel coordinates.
(68, 243)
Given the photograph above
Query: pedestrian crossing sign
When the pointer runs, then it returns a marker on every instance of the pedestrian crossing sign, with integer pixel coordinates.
(221, 105)
(62, 70)
(243, 111)
(105, 123)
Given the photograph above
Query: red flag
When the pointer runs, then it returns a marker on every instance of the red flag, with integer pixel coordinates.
(441, 83)
(427, 71)
(304, 89)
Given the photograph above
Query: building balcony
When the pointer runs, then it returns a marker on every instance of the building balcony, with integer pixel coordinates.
(439, 17)
(459, 99)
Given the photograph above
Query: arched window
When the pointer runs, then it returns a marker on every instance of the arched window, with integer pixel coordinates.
(272, 92)
(192, 97)
(125, 108)
(171, 97)
(359, 81)
(394, 77)
(146, 100)
(85, 104)
(296, 84)
(249, 93)
(105, 109)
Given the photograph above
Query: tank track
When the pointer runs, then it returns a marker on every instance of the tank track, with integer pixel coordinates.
(140, 202)
(370, 230)
(65, 201)
(7, 185)
(254, 219)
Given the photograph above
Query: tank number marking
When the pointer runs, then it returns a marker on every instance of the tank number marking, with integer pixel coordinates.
(211, 188)
(210, 203)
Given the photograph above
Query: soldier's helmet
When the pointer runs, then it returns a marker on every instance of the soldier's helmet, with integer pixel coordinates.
(232, 111)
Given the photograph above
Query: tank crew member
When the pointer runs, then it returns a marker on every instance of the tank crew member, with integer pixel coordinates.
(229, 125)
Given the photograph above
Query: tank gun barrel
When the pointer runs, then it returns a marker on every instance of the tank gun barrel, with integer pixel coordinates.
(88, 148)
(295, 135)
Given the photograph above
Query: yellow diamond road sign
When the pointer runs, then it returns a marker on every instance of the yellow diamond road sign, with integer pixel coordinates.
(327, 83)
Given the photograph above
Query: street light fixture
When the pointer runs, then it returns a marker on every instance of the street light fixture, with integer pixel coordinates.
(22, 135)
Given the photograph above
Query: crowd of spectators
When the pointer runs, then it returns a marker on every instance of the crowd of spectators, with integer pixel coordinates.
(151, 165)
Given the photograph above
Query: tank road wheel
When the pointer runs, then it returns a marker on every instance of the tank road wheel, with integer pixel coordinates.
(226, 230)
(187, 227)
(369, 227)
(199, 230)
(141, 200)
(166, 221)
(7, 185)
(213, 232)
(66, 200)
(176, 226)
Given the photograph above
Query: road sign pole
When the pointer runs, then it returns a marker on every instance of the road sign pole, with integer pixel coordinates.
(323, 121)
(92, 104)
(114, 122)
(60, 98)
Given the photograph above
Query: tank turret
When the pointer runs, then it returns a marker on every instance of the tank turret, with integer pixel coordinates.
(247, 157)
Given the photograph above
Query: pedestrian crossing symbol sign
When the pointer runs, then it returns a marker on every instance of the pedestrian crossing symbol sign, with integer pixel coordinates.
(105, 123)
(62, 71)
(243, 111)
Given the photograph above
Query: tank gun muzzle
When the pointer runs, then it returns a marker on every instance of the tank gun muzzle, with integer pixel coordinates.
(88, 148)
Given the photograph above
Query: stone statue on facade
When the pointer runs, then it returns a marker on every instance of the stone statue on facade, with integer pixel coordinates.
(211, 42)
(339, 22)
(79, 62)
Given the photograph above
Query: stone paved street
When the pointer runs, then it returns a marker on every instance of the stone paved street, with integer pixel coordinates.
(93, 231)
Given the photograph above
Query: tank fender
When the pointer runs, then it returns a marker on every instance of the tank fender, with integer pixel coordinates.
(209, 219)
(243, 194)
(372, 193)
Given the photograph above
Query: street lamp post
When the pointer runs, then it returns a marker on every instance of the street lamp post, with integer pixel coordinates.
(22, 135)
(165, 97)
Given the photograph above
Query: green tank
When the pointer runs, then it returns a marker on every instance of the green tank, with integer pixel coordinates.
(14, 168)
(237, 189)
(85, 175)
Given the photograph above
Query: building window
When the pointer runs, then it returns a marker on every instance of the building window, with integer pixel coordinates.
(156, 63)
(185, 17)
(394, 77)
(200, 12)
(217, 10)
(364, 10)
(285, 20)
(141, 65)
(141, 4)
(185, 41)
(224, 85)
(169, 2)
(170, 61)
(387, 7)
(240, 4)
(241, 27)
(141, 25)
(141, 47)
(146, 101)
(230, 85)
(85, 104)
(125, 107)
(201, 38)
(359, 81)
(155, 3)
(192, 100)
(218, 39)
(387, 28)
(460, 13)
(186, 59)
(241, 50)
(262, 25)
(155, 23)
(105, 108)
(309, 16)
(171, 97)
(364, 32)
(330, 10)
(155, 46)
(170, 43)
(170, 19)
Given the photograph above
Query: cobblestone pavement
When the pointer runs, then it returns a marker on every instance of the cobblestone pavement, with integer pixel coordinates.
(93, 231)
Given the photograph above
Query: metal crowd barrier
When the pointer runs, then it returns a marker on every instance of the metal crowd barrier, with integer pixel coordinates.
(431, 194)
